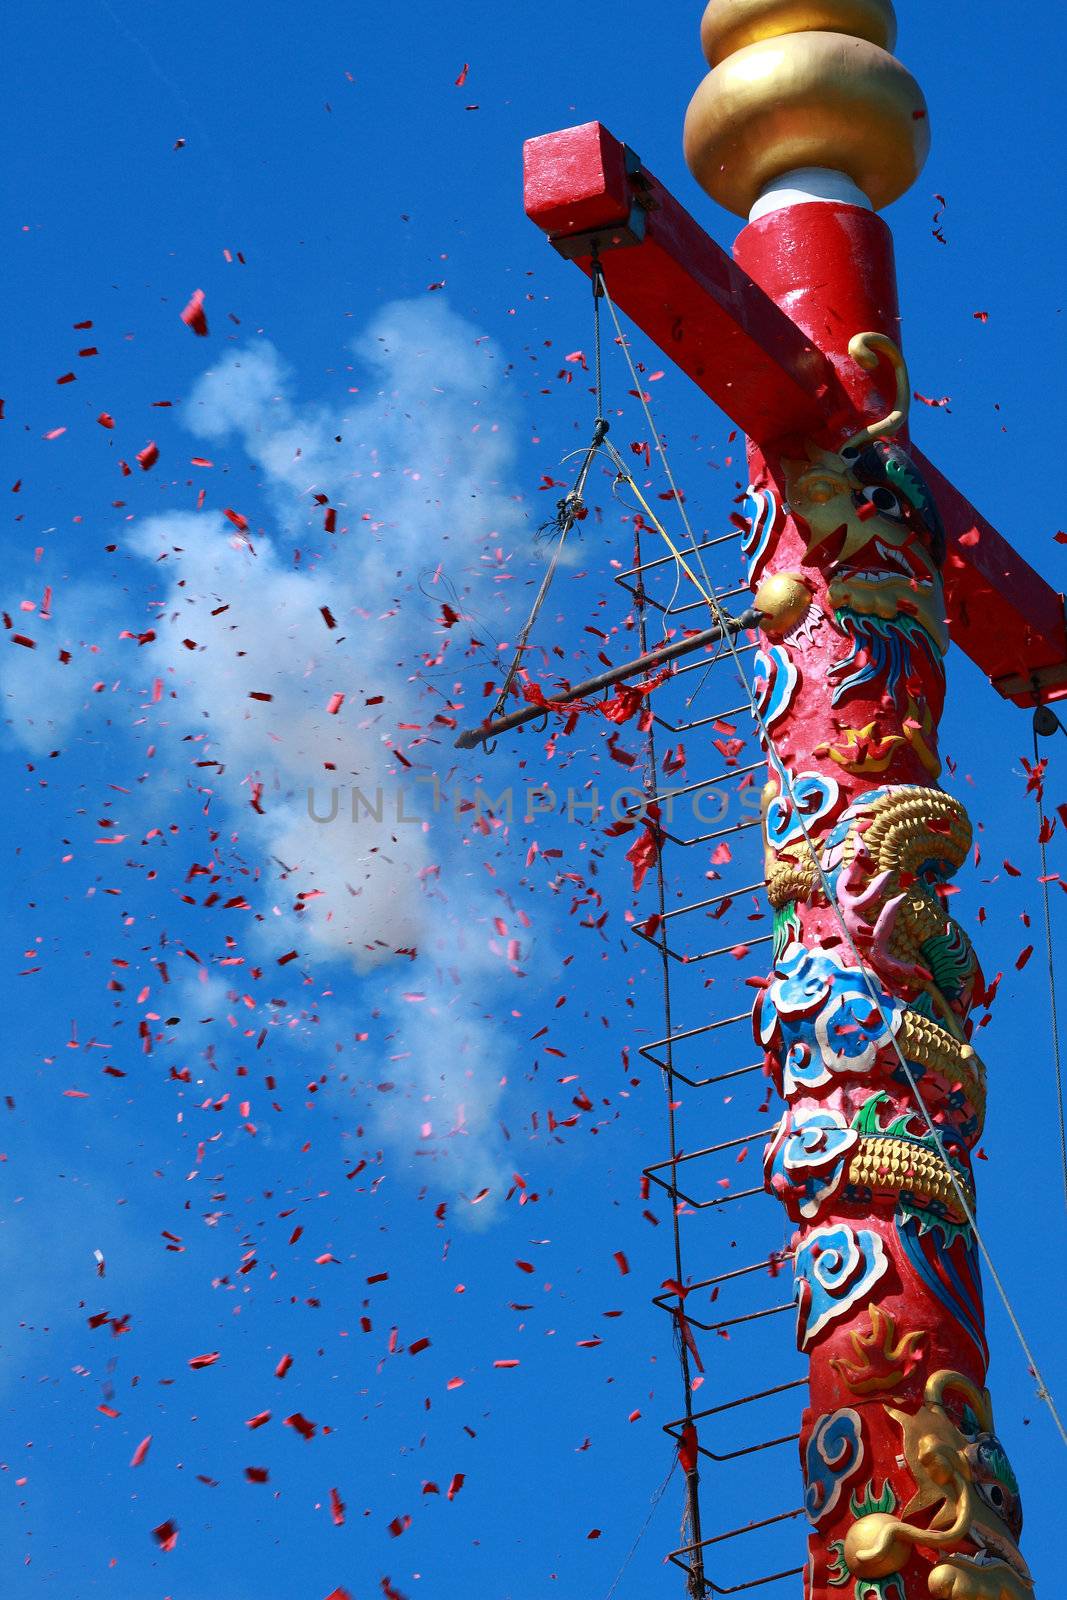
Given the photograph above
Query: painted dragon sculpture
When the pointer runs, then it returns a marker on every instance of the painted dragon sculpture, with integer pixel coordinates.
(864, 1022)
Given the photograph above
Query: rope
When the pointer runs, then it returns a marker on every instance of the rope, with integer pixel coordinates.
(707, 593)
(568, 512)
(1045, 723)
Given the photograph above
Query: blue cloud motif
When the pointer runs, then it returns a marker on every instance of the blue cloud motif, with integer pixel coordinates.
(775, 678)
(762, 506)
(833, 1269)
(821, 1018)
(806, 1161)
(807, 800)
(834, 1454)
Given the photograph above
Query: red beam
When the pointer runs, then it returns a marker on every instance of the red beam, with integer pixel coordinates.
(585, 189)
(1000, 611)
(676, 283)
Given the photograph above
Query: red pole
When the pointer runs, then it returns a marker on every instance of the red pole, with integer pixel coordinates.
(865, 1020)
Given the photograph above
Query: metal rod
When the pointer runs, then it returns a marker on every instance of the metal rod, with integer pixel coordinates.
(702, 722)
(692, 605)
(713, 900)
(703, 783)
(705, 1205)
(644, 663)
(749, 1527)
(748, 1449)
(659, 561)
(700, 1083)
(709, 1150)
(692, 1033)
(719, 833)
(741, 1272)
(729, 949)
(732, 1405)
(730, 1322)
(742, 649)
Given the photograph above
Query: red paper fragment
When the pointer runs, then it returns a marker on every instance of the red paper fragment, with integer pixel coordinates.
(194, 315)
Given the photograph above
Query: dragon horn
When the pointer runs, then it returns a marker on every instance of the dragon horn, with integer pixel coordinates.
(867, 349)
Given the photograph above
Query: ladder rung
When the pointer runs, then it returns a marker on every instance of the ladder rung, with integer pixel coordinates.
(706, 838)
(730, 1322)
(702, 1083)
(733, 1405)
(708, 1150)
(702, 722)
(713, 661)
(706, 1205)
(713, 900)
(692, 1033)
(659, 561)
(727, 949)
(720, 594)
(691, 788)
(739, 1272)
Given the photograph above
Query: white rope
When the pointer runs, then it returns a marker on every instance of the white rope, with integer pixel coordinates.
(707, 592)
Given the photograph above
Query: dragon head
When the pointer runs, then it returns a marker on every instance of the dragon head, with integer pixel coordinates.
(868, 516)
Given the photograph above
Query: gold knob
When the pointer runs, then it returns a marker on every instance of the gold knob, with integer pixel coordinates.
(729, 25)
(786, 93)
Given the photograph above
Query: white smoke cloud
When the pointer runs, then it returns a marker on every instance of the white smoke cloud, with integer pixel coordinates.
(414, 468)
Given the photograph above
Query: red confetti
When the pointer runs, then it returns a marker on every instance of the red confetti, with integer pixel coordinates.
(166, 1535)
(194, 315)
(141, 1451)
(197, 1362)
(148, 457)
(301, 1425)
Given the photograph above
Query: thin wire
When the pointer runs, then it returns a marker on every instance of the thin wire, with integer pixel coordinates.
(657, 1496)
(1057, 1066)
(705, 589)
(568, 510)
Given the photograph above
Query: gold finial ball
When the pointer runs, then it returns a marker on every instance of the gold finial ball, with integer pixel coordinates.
(729, 25)
(804, 83)
(783, 599)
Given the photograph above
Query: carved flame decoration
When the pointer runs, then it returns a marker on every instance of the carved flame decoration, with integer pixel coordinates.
(882, 1360)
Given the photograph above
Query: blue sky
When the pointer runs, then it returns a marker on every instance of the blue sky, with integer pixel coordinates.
(334, 158)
